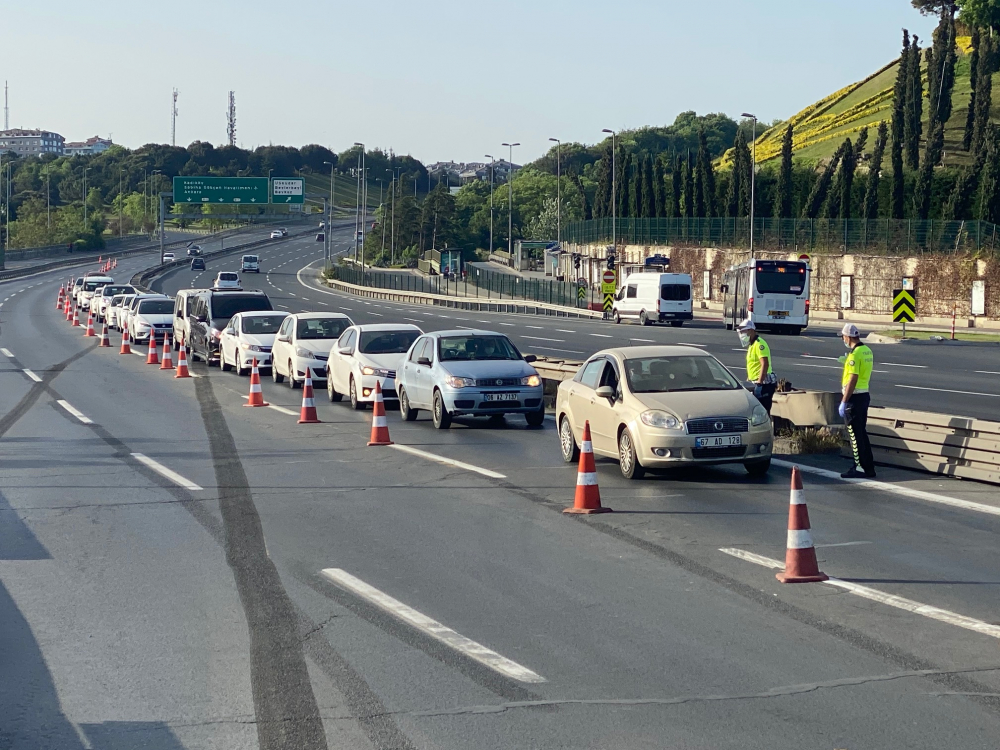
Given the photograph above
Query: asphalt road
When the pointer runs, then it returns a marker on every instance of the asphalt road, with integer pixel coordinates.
(177, 598)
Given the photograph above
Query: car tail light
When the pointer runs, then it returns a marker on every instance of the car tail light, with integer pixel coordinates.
(807, 307)
(750, 305)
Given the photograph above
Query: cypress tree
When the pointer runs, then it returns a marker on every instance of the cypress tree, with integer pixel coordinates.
(707, 172)
(869, 209)
(648, 189)
(989, 198)
(588, 212)
(900, 118)
(970, 117)
(916, 107)
(933, 84)
(623, 186)
(635, 189)
(736, 201)
(699, 188)
(941, 69)
(602, 197)
(818, 194)
(925, 178)
(783, 196)
(659, 189)
(848, 164)
(859, 145)
(984, 93)
(960, 201)
(675, 186)
(689, 207)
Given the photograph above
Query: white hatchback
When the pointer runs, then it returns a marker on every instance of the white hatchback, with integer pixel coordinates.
(249, 336)
(227, 280)
(304, 340)
(365, 355)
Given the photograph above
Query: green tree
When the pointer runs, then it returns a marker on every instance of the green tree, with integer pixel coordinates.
(635, 196)
(983, 14)
(869, 209)
(925, 177)
(602, 198)
(676, 186)
(689, 200)
(707, 173)
(738, 192)
(915, 101)
(960, 202)
(624, 185)
(648, 189)
(783, 194)
(818, 194)
(970, 117)
(989, 199)
(984, 92)
(900, 118)
(659, 188)
(859, 145)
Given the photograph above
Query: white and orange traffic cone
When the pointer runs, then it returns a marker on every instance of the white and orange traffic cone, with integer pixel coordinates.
(256, 397)
(126, 349)
(182, 363)
(67, 308)
(99, 259)
(801, 565)
(151, 356)
(114, 263)
(90, 333)
(105, 341)
(168, 356)
(308, 415)
(380, 425)
(76, 316)
(61, 297)
(588, 495)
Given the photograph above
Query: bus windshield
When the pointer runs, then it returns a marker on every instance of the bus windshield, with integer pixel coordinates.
(780, 278)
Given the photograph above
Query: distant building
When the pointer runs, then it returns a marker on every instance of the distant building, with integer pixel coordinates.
(458, 173)
(95, 145)
(31, 142)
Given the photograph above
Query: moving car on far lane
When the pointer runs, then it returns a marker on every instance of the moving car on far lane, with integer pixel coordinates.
(467, 372)
(227, 280)
(365, 355)
(659, 407)
(249, 336)
(197, 264)
(250, 263)
(152, 316)
(304, 340)
(276, 235)
(168, 257)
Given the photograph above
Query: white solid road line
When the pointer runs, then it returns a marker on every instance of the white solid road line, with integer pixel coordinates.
(564, 330)
(926, 610)
(283, 410)
(948, 390)
(873, 484)
(433, 628)
(448, 461)
(32, 375)
(74, 411)
(170, 474)
(987, 372)
(896, 364)
(7, 353)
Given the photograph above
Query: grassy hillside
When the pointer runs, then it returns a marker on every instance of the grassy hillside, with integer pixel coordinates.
(822, 127)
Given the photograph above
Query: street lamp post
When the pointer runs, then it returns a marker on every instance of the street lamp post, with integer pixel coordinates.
(492, 162)
(327, 241)
(357, 201)
(753, 178)
(396, 187)
(381, 199)
(48, 200)
(510, 197)
(614, 192)
(558, 191)
(152, 196)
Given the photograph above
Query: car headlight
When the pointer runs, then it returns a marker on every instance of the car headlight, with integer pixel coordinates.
(533, 380)
(656, 418)
(250, 347)
(379, 372)
(141, 324)
(300, 352)
(457, 382)
(759, 416)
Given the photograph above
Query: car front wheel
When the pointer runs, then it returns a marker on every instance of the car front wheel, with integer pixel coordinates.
(758, 468)
(442, 419)
(330, 390)
(291, 377)
(643, 318)
(406, 411)
(226, 367)
(535, 418)
(355, 403)
(276, 376)
(628, 460)
(567, 442)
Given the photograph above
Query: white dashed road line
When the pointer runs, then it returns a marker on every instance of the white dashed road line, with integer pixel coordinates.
(601, 335)
(283, 410)
(163, 471)
(74, 411)
(7, 353)
(449, 461)
(539, 338)
(432, 628)
(32, 375)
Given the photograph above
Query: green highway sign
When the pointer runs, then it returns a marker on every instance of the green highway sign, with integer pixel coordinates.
(288, 190)
(221, 190)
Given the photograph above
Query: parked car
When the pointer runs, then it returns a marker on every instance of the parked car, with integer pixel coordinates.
(249, 336)
(112, 309)
(365, 355)
(89, 287)
(227, 280)
(468, 372)
(657, 407)
(102, 296)
(207, 311)
(152, 316)
(197, 264)
(304, 340)
(654, 298)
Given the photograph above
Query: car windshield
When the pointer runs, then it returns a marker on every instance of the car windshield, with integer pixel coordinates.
(227, 307)
(671, 374)
(459, 348)
(780, 278)
(321, 328)
(110, 291)
(262, 324)
(156, 307)
(90, 286)
(387, 342)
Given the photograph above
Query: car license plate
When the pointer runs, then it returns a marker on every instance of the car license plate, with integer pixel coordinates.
(718, 441)
(777, 313)
(499, 397)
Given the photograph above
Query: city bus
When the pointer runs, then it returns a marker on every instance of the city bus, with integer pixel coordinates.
(774, 294)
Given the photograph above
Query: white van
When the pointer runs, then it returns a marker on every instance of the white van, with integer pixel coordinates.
(250, 263)
(655, 298)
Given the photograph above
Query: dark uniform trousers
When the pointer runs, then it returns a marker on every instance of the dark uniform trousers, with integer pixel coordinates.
(856, 418)
(765, 394)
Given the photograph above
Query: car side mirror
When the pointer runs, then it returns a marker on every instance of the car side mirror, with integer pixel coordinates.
(202, 319)
(530, 358)
(284, 338)
(606, 391)
(347, 351)
(230, 331)
(424, 361)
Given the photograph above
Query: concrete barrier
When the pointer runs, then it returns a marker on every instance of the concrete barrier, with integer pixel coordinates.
(807, 408)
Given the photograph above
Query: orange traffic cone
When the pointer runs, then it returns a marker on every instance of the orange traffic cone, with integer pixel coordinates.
(151, 358)
(380, 426)
(114, 264)
(800, 554)
(126, 349)
(98, 258)
(60, 298)
(308, 413)
(68, 309)
(76, 316)
(256, 397)
(168, 357)
(105, 341)
(182, 363)
(588, 495)
(90, 333)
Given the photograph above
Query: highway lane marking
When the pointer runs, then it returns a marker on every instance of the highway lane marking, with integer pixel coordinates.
(163, 471)
(432, 628)
(553, 349)
(7, 353)
(987, 372)
(564, 330)
(684, 343)
(539, 338)
(414, 320)
(503, 324)
(283, 410)
(646, 341)
(894, 364)
(448, 461)
(836, 367)
(909, 605)
(378, 314)
(32, 375)
(537, 328)
(601, 335)
(74, 411)
(948, 390)
(841, 544)
(874, 484)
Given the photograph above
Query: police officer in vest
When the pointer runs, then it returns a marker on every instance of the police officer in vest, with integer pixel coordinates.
(854, 402)
(759, 370)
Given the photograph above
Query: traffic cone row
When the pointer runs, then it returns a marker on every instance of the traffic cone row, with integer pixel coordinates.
(76, 316)
(588, 495)
(801, 565)
(308, 415)
(380, 426)
(256, 397)
(168, 357)
(61, 297)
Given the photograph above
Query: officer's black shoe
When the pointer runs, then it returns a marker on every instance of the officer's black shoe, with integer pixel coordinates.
(870, 475)
(853, 473)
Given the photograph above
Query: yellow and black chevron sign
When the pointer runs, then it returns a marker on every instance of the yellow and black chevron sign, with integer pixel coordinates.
(609, 302)
(904, 306)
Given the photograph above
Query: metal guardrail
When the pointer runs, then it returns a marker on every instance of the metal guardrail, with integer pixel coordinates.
(81, 261)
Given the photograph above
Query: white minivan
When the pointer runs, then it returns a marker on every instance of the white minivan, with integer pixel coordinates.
(655, 298)
(250, 263)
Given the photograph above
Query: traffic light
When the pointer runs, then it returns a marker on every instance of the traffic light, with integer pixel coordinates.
(611, 261)
(576, 261)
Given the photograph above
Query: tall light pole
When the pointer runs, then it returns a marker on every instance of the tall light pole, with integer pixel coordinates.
(152, 197)
(753, 178)
(48, 199)
(492, 170)
(381, 199)
(558, 190)
(327, 239)
(510, 197)
(357, 201)
(614, 192)
(396, 187)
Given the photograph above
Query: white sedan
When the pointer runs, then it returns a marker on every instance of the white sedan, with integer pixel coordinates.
(304, 340)
(249, 336)
(365, 355)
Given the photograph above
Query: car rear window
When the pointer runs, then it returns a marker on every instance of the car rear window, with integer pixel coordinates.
(669, 374)
(457, 348)
(675, 292)
(110, 290)
(228, 277)
(777, 277)
(387, 342)
(321, 328)
(156, 307)
(262, 324)
(249, 258)
(227, 306)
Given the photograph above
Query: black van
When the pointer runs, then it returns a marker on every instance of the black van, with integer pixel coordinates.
(210, 310)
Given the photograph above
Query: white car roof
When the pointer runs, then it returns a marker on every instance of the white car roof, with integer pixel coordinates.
(388, 327)
(312, 315)
(263, 313)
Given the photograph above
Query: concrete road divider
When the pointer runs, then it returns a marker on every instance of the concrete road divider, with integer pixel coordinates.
(256, 397)
(308, 414)
(588, 494)
(801, 565)
(380, 425)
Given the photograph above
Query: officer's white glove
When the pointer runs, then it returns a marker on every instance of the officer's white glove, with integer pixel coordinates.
(842, 410)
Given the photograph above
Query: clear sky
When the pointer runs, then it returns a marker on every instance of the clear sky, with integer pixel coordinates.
(439, 79)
